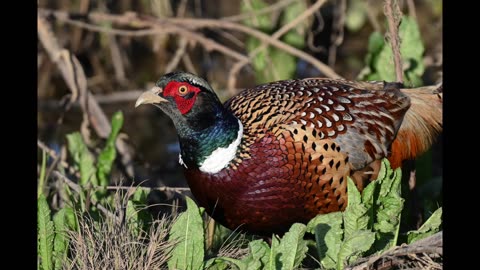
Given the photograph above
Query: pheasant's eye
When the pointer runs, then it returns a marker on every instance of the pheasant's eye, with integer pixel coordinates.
(183, 90)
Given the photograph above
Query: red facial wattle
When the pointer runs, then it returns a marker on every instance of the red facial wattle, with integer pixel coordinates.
(184, 102)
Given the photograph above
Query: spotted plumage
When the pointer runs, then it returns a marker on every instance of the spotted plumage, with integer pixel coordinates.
(281, 152)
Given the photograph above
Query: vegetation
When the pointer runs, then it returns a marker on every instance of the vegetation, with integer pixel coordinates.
(93, 214)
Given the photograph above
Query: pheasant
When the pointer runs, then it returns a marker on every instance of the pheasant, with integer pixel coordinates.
(281, 152)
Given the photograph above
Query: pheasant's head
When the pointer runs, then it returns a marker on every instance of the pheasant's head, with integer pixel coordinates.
(202, 122)
(184, 97)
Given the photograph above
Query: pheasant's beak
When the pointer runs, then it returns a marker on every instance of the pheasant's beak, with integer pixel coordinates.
(150, 97)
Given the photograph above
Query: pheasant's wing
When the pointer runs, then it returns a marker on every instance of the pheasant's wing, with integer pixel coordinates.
(361, 117)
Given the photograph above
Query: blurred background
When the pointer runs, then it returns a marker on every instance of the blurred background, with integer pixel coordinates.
(124, 46)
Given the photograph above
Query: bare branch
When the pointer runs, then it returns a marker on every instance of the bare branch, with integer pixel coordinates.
(393, 14)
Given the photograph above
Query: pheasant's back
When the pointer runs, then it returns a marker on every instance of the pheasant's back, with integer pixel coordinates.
(301, 139)
(360, 118)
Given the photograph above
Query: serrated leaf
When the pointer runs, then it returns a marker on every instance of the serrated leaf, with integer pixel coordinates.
(293, 248)
(328, 235)
(258, 257)
(262, 22)
(46, 233)
(388, 207)
(296, 36)
(108, 154)
(60, 243)
(188, 234)
(83, 159)
(355, 217)
(430, 227)
(354, 246)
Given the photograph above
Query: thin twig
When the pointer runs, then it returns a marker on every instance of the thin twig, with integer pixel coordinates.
(280, 32)
(54, 155)
(163, 189)
(338, 31)
(182, 46)
(394, 18)
(75, 78)
(255, 13)
(372, 16)
(183, 26)
(411, 9)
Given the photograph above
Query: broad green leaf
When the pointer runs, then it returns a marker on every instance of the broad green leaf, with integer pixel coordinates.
(430, 227)
(258, 257)
(328, 235)
(223, 263)
(354, 246)
(283, 65)
(356, 15)
(411, 49)
(271, 64)
(274, 254)
(262, 22)
(45, 233)
(188, 234)
(108, 154)
(296, 36)
(368, 200)
(293, 248)
(83, 159)
(355, 216)
(388, 207)
(60, 243)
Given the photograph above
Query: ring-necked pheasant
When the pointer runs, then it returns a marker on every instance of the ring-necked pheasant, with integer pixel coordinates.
(280, 153)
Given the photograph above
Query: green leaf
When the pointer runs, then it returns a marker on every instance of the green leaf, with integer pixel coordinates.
(83, 159)
(258, 257)
(262, 22)
(70, 218)
(411, 49)
(108, 154)
(274, 254)
(296, 36)
(140, 196)
(293, 248)
(430, 227)
(388, 207)
(60, 243)
(45, 233)
(355, 216)
(188, 235)
(271, 64)
(222, 263)
(356, 15)
(328, 235)
(379, 60)
(354, 246)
